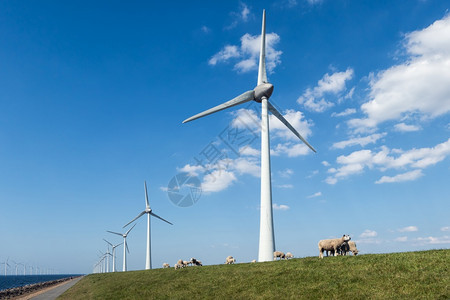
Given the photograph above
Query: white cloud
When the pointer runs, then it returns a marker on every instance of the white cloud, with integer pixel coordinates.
(408, 176)
(192, 170)
(409, 229)
(285, 186)
(296, 119)
(240, 16)
(362, 141)
(434, 240)
(217, 180)
(290, 149)
(402, 127)
(246, 166)
(248, 53)
(446, 228)
(315, 195)
(368, 234)
(280, 207)
(287, 173)
(385, 159)
(401, 239)
(313, 2)
(419, 86)
(225, 54)
(325, 163)
(249, 151)
(334, 84)
(347, 112)
(205, 29)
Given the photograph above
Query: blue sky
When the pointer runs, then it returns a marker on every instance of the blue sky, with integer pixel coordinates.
(92, 96)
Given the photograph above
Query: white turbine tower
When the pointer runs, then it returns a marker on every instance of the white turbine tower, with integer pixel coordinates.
(261, 94)
(125, 246)
(148, 211)
(113, 254)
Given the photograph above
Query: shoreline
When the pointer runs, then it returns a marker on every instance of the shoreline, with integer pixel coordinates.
(31, 290)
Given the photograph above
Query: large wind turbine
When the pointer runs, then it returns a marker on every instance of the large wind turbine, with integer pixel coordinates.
(148, 211)
(125, 246)
(261, 94)
(113, 254)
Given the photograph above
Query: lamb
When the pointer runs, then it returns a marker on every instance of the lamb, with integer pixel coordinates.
(177, 266)
(279, 254)
(289, 255)
(253, 261)
(166, 265)
(348, 246)
(230, 260)
(332, 245)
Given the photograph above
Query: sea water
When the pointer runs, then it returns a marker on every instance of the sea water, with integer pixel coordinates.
(12, 281)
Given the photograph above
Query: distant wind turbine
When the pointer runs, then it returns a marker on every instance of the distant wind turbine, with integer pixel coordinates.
(148, 211)
(113, 254)
(261, 94)
(125, 246)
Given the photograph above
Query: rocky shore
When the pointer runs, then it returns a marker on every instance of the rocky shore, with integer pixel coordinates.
(30, 288)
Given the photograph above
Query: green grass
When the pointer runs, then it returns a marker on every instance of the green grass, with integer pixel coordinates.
(409, 275)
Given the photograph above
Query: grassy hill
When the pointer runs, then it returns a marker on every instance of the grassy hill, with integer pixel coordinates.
(409, 275)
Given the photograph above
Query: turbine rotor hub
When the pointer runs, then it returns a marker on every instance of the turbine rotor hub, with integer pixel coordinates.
(263, 90)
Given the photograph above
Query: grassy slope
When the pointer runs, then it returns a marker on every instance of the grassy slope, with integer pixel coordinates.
(410, 275)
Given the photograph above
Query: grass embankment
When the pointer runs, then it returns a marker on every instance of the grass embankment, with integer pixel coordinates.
(411, 275)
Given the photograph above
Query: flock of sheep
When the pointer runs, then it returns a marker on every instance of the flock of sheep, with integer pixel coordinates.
(337, 246)
(341, 246)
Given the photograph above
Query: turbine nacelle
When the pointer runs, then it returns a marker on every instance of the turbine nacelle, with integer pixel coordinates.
(263, 90)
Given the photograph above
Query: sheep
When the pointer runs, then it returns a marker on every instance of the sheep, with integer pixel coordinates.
(332, 245)
(186, 263)
(195, 262)
(253, 261)
(346, 247)
(166, 265)
(230, 260)
(177, 266)
(182, 263)
(289, 255)
(279, 254)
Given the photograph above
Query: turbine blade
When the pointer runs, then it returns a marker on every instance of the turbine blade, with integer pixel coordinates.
(107, 242)
(280, 117)
(134, 219)
(114, 232)
(130, 230)
(147, 205)
(262, 75)
(245, 97)
(155, 215)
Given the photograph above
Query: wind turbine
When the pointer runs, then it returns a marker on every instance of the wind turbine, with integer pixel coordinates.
(148, 211)
(113, 254)
(261, 94)
(125, 246)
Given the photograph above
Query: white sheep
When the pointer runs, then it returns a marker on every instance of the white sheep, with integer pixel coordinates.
(186, 263)
(289, 255)
(253, 261)
(230, 260)
(177, 266)
(279, 254)
(166, 265)
(181, 263)
(332, 245)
